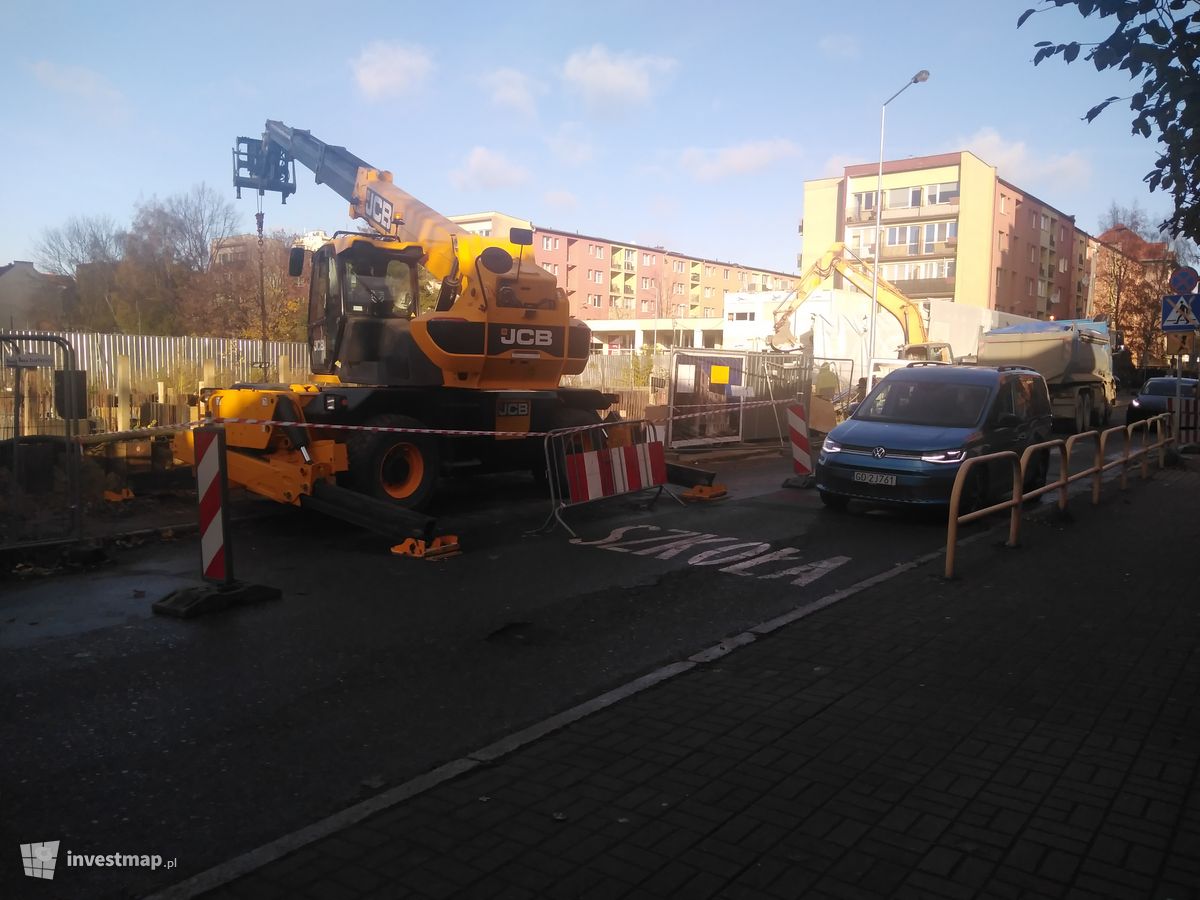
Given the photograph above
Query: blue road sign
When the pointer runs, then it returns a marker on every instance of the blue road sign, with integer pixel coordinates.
(1179, 313)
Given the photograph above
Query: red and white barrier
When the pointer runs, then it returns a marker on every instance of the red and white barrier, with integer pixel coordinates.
(216, 562)
(583, 468)
(798, 431)
(596, 474)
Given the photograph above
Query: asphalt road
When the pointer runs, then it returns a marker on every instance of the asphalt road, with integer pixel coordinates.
(202, 739)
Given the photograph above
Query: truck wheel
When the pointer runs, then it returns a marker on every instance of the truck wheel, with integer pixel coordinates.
(1083, 412)
(402, 468)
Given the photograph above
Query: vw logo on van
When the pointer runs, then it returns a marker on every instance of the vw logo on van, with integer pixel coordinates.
(879, 453)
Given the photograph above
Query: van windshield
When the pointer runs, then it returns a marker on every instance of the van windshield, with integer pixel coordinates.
(939, 403)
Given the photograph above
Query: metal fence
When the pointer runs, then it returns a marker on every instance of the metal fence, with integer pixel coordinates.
(159, 373)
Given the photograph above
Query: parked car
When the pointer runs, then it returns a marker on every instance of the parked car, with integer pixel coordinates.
(1152, 398)
(907, 440)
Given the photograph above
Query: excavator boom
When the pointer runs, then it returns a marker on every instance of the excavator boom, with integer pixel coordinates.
(858, 272)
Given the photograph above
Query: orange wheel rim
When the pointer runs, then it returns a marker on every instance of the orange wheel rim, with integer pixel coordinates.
(401, 471)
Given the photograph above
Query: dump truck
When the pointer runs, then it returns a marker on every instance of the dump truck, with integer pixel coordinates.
(1074, 357)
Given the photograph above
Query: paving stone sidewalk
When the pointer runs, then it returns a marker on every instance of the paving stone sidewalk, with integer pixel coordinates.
(1029, 730)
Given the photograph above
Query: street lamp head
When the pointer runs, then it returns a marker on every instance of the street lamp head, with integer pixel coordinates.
(923, 75)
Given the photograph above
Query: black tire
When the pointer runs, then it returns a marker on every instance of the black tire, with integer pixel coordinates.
(975, 492)
(834, 502)
(1035, 475)
(397, 467)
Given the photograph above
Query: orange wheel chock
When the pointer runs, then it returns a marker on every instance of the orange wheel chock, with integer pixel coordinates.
(118, 496)
(704, 492)
(439, 548)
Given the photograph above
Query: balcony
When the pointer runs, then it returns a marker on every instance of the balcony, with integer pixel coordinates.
(858, 217)
(934, 288)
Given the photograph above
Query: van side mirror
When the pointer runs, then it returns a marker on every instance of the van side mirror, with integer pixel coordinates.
(522, 237)
(296, 262)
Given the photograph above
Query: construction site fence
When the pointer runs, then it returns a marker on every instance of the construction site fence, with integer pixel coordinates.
(164, 372)
(159, 373)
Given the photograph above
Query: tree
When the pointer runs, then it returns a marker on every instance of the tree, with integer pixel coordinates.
(1132, 267)
(1154, 41)
(80, 240)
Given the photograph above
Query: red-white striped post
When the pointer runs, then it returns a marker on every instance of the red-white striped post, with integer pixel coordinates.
(798, 430)
(216, 557)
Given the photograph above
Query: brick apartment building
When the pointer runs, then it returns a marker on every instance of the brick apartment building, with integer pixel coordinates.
(633, 295)
(952, 229)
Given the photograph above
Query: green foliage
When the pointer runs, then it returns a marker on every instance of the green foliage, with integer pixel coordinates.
(641, 366)
(1155, 41)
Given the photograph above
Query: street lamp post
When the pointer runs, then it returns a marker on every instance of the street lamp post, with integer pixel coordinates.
(923, 75)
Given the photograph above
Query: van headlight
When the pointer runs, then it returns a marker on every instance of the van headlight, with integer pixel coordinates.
(831, 446)
(944, 456)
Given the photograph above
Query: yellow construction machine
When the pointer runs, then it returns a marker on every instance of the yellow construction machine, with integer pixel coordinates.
(858, 272)
(488, 357)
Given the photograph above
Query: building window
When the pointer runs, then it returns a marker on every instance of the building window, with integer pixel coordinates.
(1042, 288)
(1029, 287)
(709, 271)
(709, 312)
(1032, 253)
(904, 235)
(726, 276)
(547, 244)
(903, 198)
(1003, 204)
(594, 300)
(939, 233)
(1002, 241)
(647, 259)
(708, 292)
(556, 243)
(679, 266)
(645, 283)
(942, 193)
(599, 253)
(1062, 265)
(677, 288)
(864, 201)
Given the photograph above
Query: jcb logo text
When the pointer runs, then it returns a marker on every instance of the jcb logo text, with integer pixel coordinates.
(526, 337)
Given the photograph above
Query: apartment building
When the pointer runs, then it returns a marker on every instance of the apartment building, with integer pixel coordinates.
(952, 229)
(632, 294)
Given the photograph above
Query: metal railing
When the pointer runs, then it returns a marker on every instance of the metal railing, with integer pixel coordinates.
(1020, 466)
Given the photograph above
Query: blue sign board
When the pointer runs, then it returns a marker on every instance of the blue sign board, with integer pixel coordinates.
(1179, 312)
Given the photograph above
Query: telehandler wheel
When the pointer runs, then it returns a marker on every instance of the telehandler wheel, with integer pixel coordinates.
(399, 467)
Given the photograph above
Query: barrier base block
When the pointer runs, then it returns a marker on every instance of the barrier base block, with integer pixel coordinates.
(189, 602)
(800, 481)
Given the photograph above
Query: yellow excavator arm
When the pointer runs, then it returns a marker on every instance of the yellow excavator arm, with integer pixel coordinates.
(859, 273)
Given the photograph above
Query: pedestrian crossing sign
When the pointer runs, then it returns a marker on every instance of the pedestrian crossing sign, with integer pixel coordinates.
(1179, 313)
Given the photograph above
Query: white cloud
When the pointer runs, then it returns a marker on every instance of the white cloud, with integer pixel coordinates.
(388, 69)
(561, 200)
(604, 77)
(487, 170)
(836, 165)
(81, 83)
(710, 165)
(513, 90)
(840, 46)
(1017, 163)
(571, 144)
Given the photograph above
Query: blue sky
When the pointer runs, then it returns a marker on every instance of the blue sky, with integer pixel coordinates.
(692, 125)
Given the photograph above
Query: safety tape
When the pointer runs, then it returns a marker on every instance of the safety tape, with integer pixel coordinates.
(136, 433)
